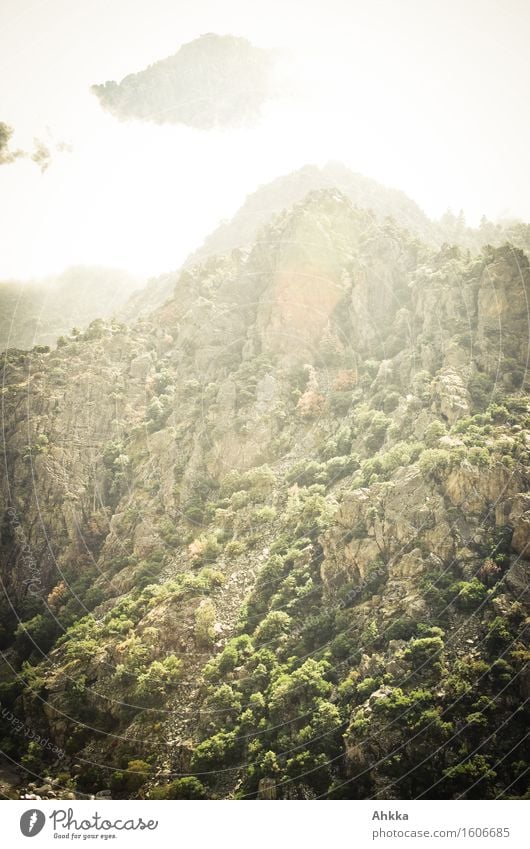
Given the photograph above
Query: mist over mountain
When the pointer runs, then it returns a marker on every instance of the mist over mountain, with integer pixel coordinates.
(37, 313)
(272, 540)
(213, 81)
(268, 200)
(261, 205)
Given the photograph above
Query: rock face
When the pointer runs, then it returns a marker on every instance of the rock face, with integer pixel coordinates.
(269, 537)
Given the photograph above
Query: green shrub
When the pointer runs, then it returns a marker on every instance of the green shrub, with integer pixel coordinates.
(217, 752)
(479, 457)
(376, 431)
(239, 499)
(338, 467)
(343, 646)
(424, 654)
(311, 515)
(467, 775)
(206, 548)
(228, 660)
(39, 632)
(367, 686)
(480, 388)
(157, 412)
(469, 594)
(182, 788)
(263, 515)
(339, 445)
(33, 759)
(129, 781)
(402, 629)
(340, 402)
(433, 433)
(204, 624)
(307, 472)
(498, 636)
(235, 548)
(223, 704)
(433, 461)
(502, 672)
(159, 677)
(274, 626)
(401, 454)
(298, 690)
(476, 719)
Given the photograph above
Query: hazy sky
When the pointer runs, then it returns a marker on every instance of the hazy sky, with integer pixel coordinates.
(430, 97)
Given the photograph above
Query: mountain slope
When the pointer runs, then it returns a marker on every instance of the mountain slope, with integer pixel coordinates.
(273, 539)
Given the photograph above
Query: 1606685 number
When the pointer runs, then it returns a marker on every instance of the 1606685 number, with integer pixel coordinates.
(480, 831)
